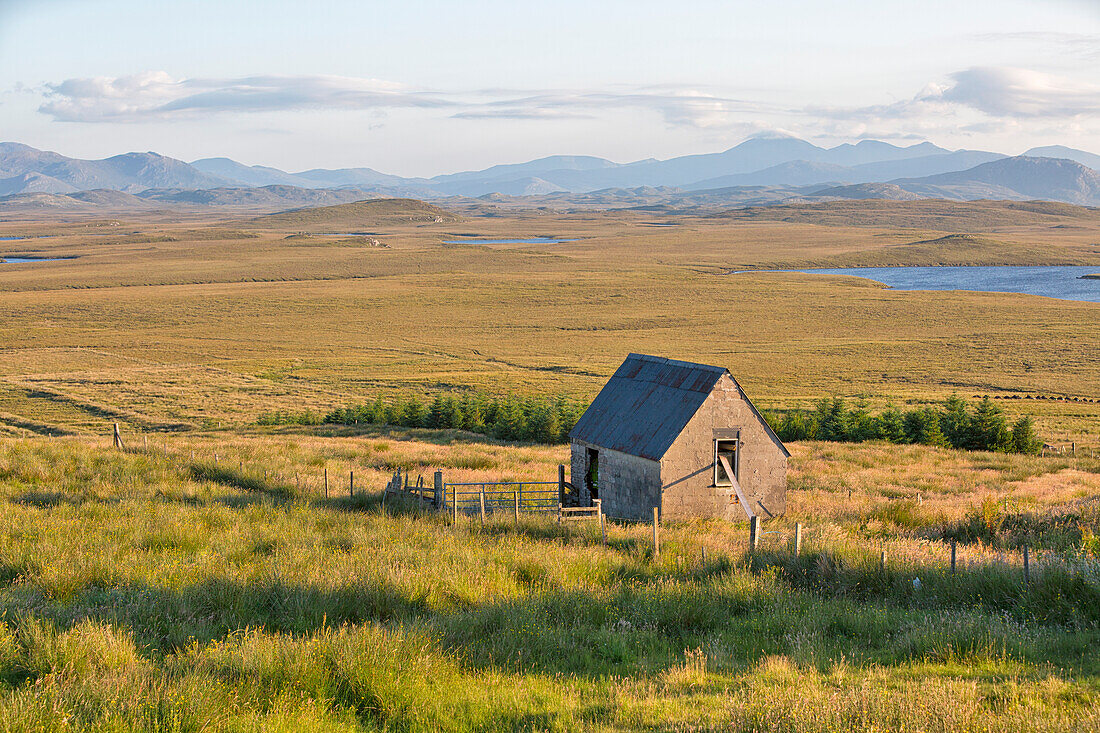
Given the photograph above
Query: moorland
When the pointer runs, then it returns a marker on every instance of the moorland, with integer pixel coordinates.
(204, 580)
(170, 324)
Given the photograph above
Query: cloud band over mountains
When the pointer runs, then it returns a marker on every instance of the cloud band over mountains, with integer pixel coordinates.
(157, 96)
(996, 92)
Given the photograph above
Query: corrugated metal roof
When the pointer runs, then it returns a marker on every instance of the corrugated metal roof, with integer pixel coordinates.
(646, 404)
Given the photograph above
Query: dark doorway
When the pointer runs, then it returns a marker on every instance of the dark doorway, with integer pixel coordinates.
(592, 477)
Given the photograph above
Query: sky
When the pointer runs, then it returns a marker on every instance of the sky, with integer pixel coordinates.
(423, 87)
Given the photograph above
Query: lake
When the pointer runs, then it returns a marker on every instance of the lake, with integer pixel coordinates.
(535, 240)
(1062, 282)
(20, 260)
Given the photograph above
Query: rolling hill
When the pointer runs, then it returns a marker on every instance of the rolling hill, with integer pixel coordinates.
(355, 216)
(1019, 178)
(1088, 160)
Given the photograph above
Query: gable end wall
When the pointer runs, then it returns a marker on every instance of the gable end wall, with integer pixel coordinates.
(687, 468)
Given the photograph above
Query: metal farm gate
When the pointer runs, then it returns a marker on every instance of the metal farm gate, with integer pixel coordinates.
(487, 498)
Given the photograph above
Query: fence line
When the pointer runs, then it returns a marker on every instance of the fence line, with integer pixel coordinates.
(532, 497)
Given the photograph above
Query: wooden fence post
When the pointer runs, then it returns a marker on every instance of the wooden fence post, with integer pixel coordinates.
(515, 501)
(954, 554)
(326, 482)
(351, 484)
(754, 533)
(454, 504)
(797, 539)
(703, 555)
(882, 561)
(215, 458)
(437, 484)
(561, 483)
(1027, 567)
(656, 535)
(118, 438)
(481, 496)
(144, 441)
(603, 523)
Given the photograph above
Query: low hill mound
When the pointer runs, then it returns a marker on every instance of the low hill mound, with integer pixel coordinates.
(947, 216)
(272, 198)
(887, 191)
(356, 215)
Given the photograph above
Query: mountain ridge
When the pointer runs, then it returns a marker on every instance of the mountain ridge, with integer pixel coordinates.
(922, 169)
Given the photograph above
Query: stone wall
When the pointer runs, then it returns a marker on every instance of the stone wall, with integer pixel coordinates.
(629, 486)
(687, 468)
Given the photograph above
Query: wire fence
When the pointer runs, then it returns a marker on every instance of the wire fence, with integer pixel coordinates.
(501, 499)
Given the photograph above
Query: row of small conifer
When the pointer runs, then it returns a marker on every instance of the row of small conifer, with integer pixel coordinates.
(953, 423)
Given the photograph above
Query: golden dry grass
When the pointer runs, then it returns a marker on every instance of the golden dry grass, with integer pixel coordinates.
(175, 323)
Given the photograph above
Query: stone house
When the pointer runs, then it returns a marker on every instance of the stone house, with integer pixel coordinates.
(669, 434)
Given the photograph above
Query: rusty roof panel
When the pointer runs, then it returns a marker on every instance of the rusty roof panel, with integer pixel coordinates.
(646, 404)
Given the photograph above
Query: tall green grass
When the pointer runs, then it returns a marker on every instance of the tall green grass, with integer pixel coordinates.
(151, 592)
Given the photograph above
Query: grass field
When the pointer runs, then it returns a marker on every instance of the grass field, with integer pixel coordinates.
(148, 590)
(203, 580)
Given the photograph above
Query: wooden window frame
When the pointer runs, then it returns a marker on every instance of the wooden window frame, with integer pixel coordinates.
(734, 436)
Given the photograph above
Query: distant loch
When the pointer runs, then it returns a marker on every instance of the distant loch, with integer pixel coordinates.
(1065, 282)
(532, 240)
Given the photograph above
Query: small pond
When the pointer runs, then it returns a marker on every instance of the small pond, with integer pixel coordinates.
(1059, 281)
(533, 240)
(21, 260)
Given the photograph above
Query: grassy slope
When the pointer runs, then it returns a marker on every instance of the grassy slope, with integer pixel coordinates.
(153, 591)
(950, 216)
(350, 217)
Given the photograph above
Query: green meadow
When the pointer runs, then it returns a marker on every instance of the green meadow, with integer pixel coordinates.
(148, 591)
(203, 579)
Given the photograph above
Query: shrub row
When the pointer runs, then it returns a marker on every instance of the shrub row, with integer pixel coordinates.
(533, 419)
(955, 423)
(289, 417)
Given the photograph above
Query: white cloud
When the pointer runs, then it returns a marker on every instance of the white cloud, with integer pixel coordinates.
(156, 95)
(678, 107)
(979, 102)
(1008, 92)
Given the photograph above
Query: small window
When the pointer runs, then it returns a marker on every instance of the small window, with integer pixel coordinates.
(730, 450)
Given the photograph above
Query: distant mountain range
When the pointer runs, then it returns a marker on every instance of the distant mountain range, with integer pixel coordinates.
(763, 168)
(24, 169)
